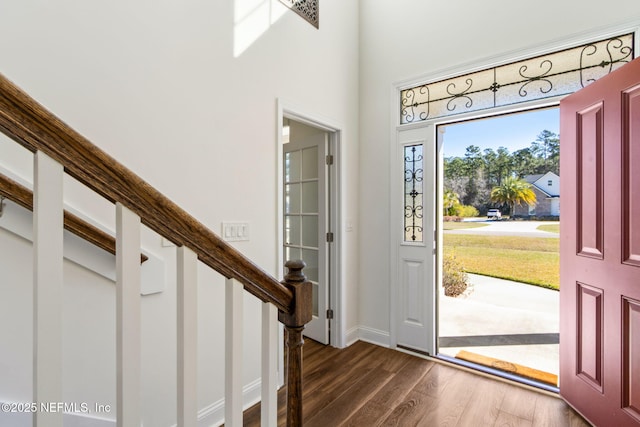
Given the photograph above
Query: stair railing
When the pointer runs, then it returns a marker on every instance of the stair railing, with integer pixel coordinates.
(59, 149)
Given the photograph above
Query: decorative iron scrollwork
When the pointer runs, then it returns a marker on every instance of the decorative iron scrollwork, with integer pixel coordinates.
(409, 103)
(413, 171)
(592, 57)
(557, 73)
(538, 78)
(451, 106)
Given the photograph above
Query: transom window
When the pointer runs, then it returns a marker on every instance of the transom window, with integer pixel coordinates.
(558, 73)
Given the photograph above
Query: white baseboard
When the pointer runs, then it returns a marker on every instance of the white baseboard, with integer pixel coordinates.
(213, 415)
(370, 335)
(352, 336)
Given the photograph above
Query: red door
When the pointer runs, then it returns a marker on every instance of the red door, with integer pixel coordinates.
(600, 249)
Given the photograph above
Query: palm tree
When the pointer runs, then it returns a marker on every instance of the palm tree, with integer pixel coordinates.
(513, 191)
(450, 200)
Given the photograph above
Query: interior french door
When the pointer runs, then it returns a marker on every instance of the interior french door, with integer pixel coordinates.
(306, 220)
(600, 249)
(414, 217)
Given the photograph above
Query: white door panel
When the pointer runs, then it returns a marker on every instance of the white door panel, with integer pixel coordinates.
(412, 280)
(413, 224)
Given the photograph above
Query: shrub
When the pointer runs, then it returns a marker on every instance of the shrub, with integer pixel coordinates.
(467, 211)
(454, 279)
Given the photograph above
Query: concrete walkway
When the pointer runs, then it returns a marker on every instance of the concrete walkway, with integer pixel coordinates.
(506, 320)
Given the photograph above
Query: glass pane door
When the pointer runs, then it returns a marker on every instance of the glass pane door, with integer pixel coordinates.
(302, 211)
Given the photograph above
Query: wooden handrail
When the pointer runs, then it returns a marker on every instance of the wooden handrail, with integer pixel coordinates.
(22, 196)
(34, 127)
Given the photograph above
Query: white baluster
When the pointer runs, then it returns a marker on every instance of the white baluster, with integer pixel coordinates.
(233, 354)
(269, 404)
(187, 311)
(47, 289)
(127, 317)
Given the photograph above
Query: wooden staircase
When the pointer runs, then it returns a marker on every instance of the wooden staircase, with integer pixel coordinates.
(57, 150)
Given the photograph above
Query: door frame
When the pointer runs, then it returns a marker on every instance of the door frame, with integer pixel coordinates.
(440, 137)
(289, 110)
(461, 69)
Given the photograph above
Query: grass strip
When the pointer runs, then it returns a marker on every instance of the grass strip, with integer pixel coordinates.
(552, 228)
(542, 244)
(522, 259)
(451, 225)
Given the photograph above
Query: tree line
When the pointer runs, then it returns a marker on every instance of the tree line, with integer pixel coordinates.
(473, 176)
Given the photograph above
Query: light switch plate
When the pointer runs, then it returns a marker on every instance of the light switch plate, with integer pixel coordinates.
(235, 231)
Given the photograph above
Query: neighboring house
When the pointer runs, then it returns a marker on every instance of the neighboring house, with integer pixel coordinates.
(547, 189)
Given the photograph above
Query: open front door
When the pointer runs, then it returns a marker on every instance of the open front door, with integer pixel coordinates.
(413, 213)
(600, 249)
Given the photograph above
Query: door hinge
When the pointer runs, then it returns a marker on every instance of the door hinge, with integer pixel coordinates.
(329, 159)
(329, 237)
(329, 314)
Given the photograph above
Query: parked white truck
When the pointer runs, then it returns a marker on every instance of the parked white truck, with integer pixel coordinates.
(494, 214)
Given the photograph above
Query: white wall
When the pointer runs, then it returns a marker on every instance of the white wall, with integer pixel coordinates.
(407, 39)
(174, 90)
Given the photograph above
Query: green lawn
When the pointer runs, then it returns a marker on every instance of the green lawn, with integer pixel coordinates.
(523, 259)
(451, 225)
(553, 228)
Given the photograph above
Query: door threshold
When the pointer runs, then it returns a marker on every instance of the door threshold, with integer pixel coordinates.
(412, 350)
(498, 373)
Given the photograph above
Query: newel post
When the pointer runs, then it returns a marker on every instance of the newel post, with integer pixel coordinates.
(294, 323)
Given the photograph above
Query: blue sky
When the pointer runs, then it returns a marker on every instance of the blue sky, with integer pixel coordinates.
(514, 131)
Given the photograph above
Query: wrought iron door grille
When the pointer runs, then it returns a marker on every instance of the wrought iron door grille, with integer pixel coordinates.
(558, 73)
(413, 169)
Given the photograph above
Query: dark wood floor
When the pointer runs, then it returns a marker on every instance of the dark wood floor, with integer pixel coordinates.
(367, 385)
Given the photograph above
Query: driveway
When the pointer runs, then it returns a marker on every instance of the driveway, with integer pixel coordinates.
(507, 228)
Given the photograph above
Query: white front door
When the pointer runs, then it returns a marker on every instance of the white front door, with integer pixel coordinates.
(413, 214)
(305, 216)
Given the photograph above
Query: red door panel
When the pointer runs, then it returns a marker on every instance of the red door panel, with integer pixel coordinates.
(600, 249)
(631, 174)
